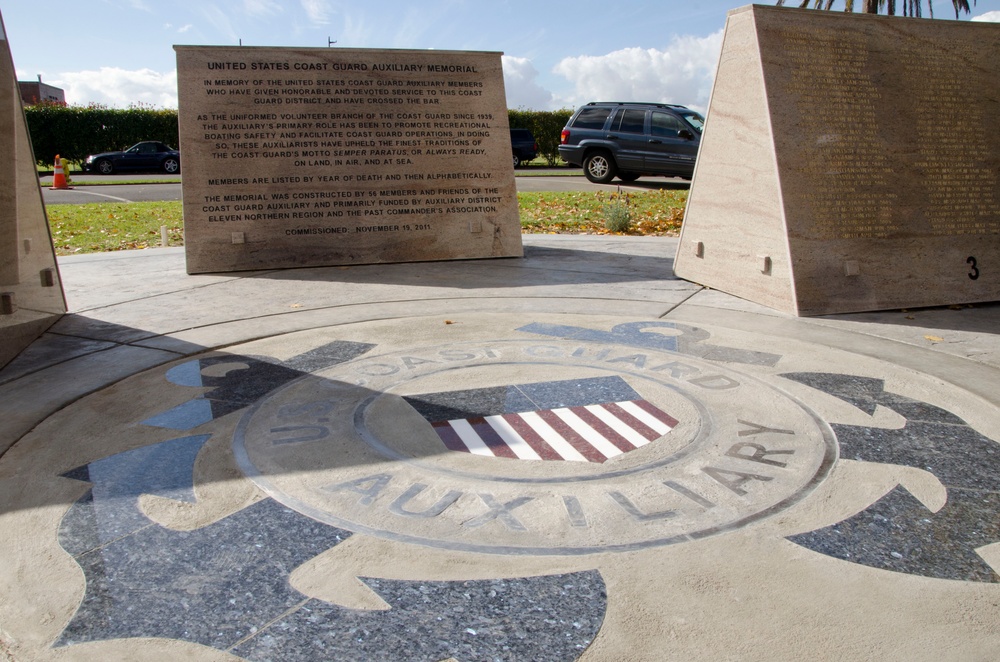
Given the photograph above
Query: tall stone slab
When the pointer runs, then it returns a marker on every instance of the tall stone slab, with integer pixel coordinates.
(313, 157)
(850, 163)
(31, 296)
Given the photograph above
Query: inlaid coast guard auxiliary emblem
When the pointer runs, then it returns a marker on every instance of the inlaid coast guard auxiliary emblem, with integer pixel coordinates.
(547, 446)
(556, 440)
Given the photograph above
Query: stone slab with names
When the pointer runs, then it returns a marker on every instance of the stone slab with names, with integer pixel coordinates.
(850, 163)
(297, 157)
(31, 296)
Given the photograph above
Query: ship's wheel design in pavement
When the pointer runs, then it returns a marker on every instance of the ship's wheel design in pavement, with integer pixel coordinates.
(547, 441)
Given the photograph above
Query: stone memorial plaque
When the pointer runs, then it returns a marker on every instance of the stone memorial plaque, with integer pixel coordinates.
(319, 156)
(31, 296)
(850, 162)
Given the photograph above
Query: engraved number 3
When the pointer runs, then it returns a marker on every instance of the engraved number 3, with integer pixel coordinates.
(973, 268)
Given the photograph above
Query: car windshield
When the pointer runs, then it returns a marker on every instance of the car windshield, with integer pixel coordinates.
(695, 120)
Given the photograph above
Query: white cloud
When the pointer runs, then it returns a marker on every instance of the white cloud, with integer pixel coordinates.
(219, 20)
(988, 17)
(682, 73)
(355, 32)
(184, 28)
(119, 88)
(318, 11)
(519, 78)
(262, 7)
(410, 30)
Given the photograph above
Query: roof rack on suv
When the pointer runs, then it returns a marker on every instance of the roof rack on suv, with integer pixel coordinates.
(635, 103)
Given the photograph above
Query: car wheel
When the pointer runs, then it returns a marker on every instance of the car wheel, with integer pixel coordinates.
(599, 167)
(517, 161)
(171, 165)
(104, 167)
(628, 176)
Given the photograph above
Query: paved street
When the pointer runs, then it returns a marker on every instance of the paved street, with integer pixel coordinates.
(112, 193)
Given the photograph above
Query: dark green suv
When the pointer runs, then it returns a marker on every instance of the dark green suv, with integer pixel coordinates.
(629, 140)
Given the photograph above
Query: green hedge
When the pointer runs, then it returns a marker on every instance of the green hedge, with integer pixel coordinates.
(73, 132)
(545, 125)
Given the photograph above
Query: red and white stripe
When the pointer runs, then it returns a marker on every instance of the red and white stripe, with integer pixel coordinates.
(593, 433)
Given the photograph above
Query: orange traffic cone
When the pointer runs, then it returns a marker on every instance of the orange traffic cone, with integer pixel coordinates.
(58, 176)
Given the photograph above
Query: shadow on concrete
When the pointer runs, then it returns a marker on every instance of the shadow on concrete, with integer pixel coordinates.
(980, 318)
(217, 385)
(540, 265)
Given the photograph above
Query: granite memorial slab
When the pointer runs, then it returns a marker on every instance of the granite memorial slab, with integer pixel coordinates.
(31, 296)
(322, 156)
(849, 163)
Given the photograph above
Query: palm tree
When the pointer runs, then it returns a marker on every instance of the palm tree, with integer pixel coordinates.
(910, 7)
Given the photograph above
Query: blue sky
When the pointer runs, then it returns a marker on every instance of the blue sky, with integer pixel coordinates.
(556, 54)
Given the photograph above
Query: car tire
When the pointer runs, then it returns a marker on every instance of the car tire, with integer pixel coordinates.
(171, 166)
(517, 161)
(104, 167)
(628, 176)
(599, 167)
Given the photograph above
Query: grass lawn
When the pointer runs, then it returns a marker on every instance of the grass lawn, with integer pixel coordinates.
(657, 212)
(101, 227)
(118, 226)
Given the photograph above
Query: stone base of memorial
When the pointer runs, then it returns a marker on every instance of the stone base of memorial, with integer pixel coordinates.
(850, 162)
(31, 296)
(315, 157)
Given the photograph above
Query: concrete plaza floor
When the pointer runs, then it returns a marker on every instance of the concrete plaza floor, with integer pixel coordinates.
(573, 455)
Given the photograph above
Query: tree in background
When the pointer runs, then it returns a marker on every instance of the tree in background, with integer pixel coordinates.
(909, 7)
(73, 132)
(545, 125)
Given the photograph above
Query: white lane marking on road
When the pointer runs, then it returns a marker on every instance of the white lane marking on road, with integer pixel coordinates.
(101, 195)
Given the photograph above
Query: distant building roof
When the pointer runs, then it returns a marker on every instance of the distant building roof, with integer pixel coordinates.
(33, 92)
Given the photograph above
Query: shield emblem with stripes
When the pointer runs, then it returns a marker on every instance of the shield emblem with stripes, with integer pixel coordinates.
(580, 420)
